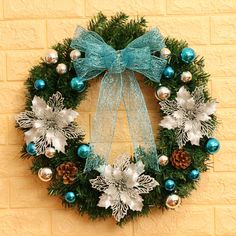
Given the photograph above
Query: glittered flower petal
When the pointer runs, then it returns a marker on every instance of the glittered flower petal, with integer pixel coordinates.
(38, 106)
(119, 210)
(168, 122)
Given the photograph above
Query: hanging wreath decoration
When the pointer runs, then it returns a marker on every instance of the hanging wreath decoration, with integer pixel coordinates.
(157, 174)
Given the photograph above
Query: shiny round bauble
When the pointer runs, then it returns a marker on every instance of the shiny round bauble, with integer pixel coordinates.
(51, 57)
(186, 76)
(187, 55)
(61, 68)
(163, 160)
(165, 53)
(30, 149)
(84, 151)
(170, 185)
(162, 93)
(70, 197)
(39, 84)
(194, 175)
(212, 145)
(168, 72)
(50, 152)
(77, 84)
(45, 174)
(75, 54)
(173, 201)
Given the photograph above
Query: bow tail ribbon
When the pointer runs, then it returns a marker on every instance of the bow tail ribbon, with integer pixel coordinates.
(115, 88)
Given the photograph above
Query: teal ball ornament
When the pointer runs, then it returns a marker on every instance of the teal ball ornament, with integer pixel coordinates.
(170, 185)
(70, 197)
(188, 55)
(168, 72)
(78, 84)
(30, 148)
(84, 151)
(194, 175)
(39, 84)
(212, 145)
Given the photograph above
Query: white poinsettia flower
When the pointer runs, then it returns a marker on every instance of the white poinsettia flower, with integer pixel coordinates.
(122, 185)
(189, 115)
(49, 124)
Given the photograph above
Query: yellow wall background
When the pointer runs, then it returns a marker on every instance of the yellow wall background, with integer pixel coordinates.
(28, 28)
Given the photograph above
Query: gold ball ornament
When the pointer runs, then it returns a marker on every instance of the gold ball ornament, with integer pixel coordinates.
(186, 76)
(45, 174)
(75, 54)
(162, 93)
(50, 152)
(163, 160)
(173, 201)
(51, 57)
(165, 53)
(61, 68)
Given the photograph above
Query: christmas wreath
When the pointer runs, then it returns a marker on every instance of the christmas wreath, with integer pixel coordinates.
(160, 173)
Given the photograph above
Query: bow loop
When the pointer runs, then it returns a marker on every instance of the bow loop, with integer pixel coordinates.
(137, 58)
(119, 84)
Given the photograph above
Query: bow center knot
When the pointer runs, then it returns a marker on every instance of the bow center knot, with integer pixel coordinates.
(115, 62)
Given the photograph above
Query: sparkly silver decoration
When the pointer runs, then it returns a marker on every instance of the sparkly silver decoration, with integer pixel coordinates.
(61, 68)
(173, 201)
(51, 57)
(186, 76)
(49, 124)
(122, 185)
(163, 160)
(162, 93)
(50, 152)
(45, 174)
(189, 116)
(165, 53)
(75, 54)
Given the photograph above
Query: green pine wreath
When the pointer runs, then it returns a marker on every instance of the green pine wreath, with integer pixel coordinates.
(180, 164)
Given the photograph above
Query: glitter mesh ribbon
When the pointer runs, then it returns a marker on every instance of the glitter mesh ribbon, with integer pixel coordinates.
(119, 84)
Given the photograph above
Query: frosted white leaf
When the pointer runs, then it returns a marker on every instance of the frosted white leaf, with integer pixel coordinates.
(169, 122)
(119, 210)
(49, 124)
(56, 102)
(146, 184)
(25, 119)
(38, 107)
(105, 201)
(122, 185)
(210, 108)
(68, 115)
(189, 116)
(99, 183)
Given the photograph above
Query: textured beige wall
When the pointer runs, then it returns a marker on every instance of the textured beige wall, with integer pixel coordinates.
(28, 28)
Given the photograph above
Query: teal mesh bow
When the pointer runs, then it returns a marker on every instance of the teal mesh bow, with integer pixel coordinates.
(119, 84)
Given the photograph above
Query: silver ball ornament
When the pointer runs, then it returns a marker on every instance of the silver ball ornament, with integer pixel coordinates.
(173, 201)
(186, 76)
(45, 174)
(162, 93)
(75, 54)
(61, 68)
(165, 53)
(51, 57)
(163, 160)
(50, 152)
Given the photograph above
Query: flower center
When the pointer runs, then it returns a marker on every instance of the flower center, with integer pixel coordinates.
(51, 123)
(121, 185)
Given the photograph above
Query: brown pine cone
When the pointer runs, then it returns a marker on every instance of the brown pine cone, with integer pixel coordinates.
(180, 159)
(68, 171)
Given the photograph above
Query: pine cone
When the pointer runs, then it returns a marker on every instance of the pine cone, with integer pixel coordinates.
(180, 159)
(68, 171)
